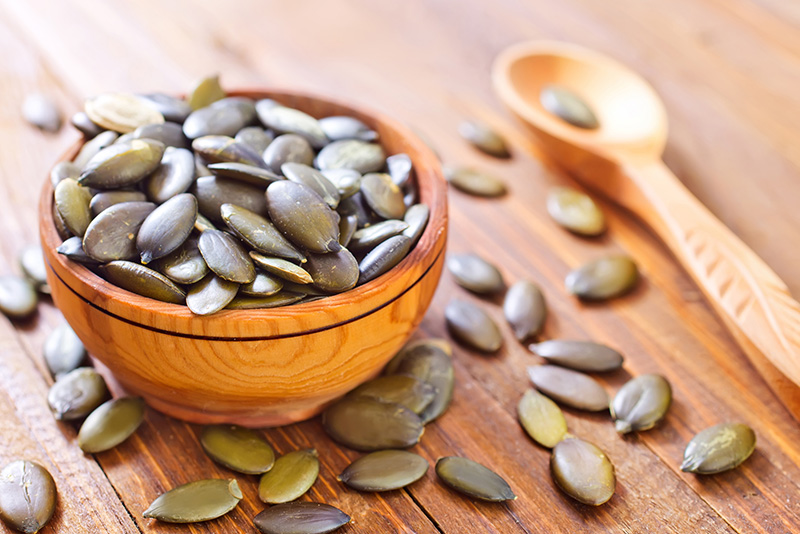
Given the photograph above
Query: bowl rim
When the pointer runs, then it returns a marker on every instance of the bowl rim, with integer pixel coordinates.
(295, 320)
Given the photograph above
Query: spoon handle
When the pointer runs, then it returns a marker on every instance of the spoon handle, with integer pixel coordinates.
(751, 299)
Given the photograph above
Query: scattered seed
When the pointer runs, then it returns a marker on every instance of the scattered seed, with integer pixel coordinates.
(42, 112)
(291, 477)
(63, 351)
(367, 424)
(28, 496)
(719, 448)
(582, 471)
(300, 518)
(237, 448)
(472, 326)
(525, 309)
(475, 182)
(18, 297)
(541, 418)
(568, 106)
(579, 355)
(76, 394)
(484, 138)
(110, 424)
(569, 387)
(202, 500)
(603, 279)
(384, 471)
(473, 479)
(472, 272)
(641, 403)
(575, 211)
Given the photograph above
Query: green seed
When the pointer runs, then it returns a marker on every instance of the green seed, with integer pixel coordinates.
(719, 448)
(216, 119)
(167, 227)
(575, 211)
(291, 477)
(473, 479)
(472, 326)
(340, 127)
(352, 154)
(63, 170)
(122, 165)
(174, 176)
(282, 298)
(212, 192)
(27, 496)
(400, 167)
(300, 518)
(370, 236)
(582, 471)
(112, 234)
(287, 148)
(641, 403)
(383, 257)
(201, 500)
(525, 309)
(264, 285)
(226, 257)
(73, 249)
(417, 219)
(76, 394)
(105, 199)
(63, 351)
(484, 138)
(237, 448)
(579, 355)
(383, 196)
(291, 121)
(93, 146)
(18, 297)
(384, 471)
(603, 279)
(169, 133)
(569, 387)
(282, 268)
(406, 390)
(472, 272)
(222, 149)
(143, 281)
(205, 92)
(33, 267)
(259, 233)
(475, 182)
(568, 106)
(185, 265)
(210, 295)
(242, 172)
(428, 360)
(302, 216)
(255, 137)
(111, 424)
(541, 418)
(347, 181)
(333, 272)
(311, 177)
(367, 424)
(72, 202)
(121, 112)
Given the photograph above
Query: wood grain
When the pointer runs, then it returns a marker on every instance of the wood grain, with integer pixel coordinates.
(728, 73)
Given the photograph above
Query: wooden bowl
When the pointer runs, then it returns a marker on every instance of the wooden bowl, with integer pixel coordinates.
(257, 367)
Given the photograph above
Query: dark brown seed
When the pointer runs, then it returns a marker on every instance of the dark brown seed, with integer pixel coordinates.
(174, 176)
(202, 224)
(719, 448)
(352, 154)
(185, 265)
(112, 234)
(121, 112)
(333, 272)
(282, 298)
(169, 133)
(122, 165)
(93, 146)
(575, 211)
(291, 121)
(17, 297)
(302, 216)
(311, 177)
(429, 361)
(212, 192)
(579, 355)
(143, 281)
(475, 182)
(472, 326)
(105, 199)
(347, 181)
(72, 202)
(167, 227)
(173, 109)
(42, 112)
(569, 387)
(582, 471)
(473, 479)
(77, 394)
(472, 272)
(63, 351)
(73, 249)
(400, 167)
(525, 309)
(221, 149)
(111, 424)
(84, 124)
(541, 418)
(63, 170)
(226, 257)
(603, 279)
(291, 477)
(569, 107)
(641, 403)
(215, 119)
(417, 219)
(383, 257)
(484, 138)
(255, 137)
(300, 518)
(402, 389)
(205, 92)
(282, 268)
(370, 236)
(237, 448)
(58, 223)
(384, 471)
(259, 233)
(366, 424)
(383, 196)
(287, 148)
(27, 496)
(355, 205)
(201, 500)
(210, 295)
(347, 228)
(248, 174)
(33, 267)
(341, 127)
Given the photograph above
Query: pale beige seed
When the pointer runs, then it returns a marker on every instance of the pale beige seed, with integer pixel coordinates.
(121, 112)
(575, 211)
(541, 418)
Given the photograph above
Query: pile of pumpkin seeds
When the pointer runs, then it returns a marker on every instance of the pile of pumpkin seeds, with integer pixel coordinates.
(226, 202)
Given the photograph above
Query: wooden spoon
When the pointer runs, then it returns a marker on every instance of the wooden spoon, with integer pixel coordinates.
(622, 159)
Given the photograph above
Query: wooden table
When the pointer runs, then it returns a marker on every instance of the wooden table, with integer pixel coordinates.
(728, 72)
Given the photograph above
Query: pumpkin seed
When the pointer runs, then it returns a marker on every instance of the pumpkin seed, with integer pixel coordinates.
(427, 345)
(205, 92)
(112, 234)
(575, 211)
(429, 361)
(216, 119)
(92, 147)
(72, 202)
(525, 309)
(173, 176)
(105, 199)
(282, 268)
(347, 181)
(569, 387)
(201, 500)
(568, 106)
(222, 149)
(282, 298)
(402, 389)
(122, 165)
(287, 120)
(110, 424)
(255, 137)
(384, 471)
(202, 223)
(399, 166)
(173, 109)
(58, 223)
(27, 496)
(333, 272)
(582, 471)
(302, 216)
(473, 479)
(226, 257)
(84, 124)
(244, 173)
(17, 297)
(641, 403)
(367, 424)
(339, 127)
(288, 148)
(347, 228)
(352, 154)
(121, 112)
(719, 448)
(475, 182)
(383, 257)
(212, 192)
(33, 267)
(167, 227)
(472, 272)
(291, 477)
(472, 326)
(169, 133)
(541, 418)
(143, 281)
(300, 518)
(63, 351)
(200, 168)
(369, 237)
(77, 393)
(63, 170)
(307, 290)
(264, 285)
(383, 196)
(210, 295)
(311, 177)
(484, 138)
(355, 205)
(42, 112)
(259, 233)
(603, 279)
(237, 448)
(417, 219)
(184, 265)
(579, 355)
(73, 249)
